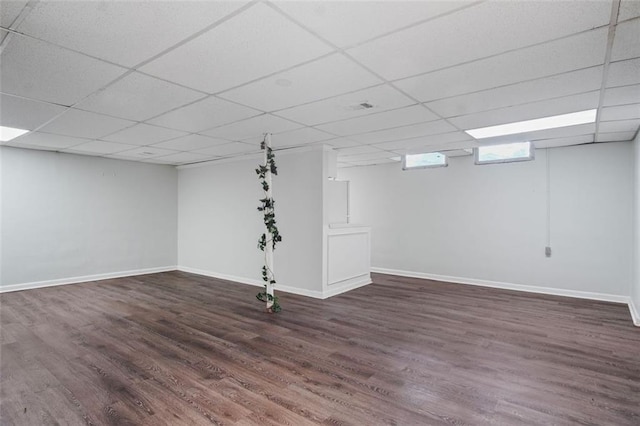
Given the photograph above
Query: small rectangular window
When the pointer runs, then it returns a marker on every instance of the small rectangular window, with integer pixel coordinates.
(491, 154)
(425, 160)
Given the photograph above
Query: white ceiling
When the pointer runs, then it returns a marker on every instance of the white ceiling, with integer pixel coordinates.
(185, 82)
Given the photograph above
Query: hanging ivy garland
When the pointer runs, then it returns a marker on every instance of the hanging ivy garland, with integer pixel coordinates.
(269, 239)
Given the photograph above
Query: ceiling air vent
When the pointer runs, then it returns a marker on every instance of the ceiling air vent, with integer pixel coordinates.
(363, 105)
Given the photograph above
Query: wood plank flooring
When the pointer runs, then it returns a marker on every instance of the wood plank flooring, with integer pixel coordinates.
(182, 349)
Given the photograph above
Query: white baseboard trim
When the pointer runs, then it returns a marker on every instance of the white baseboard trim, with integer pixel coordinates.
(253, 282)
(507, 286)
(635, 313)
(84, 279)
(347, 285)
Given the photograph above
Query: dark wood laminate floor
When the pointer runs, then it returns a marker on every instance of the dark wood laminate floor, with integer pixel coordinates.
(176, 348)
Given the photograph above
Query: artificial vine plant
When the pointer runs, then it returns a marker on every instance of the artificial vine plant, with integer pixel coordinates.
(271, 236)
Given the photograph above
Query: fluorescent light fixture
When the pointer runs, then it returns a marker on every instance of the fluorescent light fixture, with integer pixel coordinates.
(553, 122)
(8, 133)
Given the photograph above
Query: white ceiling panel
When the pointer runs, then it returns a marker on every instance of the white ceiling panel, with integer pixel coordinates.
(378, 121)
(626, 44)
(405, 132)
(181, 158)
(424, 141)
(203, 115)
(230, 149)
(621, 112)
(26, 114)
(480, 31)
(252, 127)
(338, 143)
(565, 105)
(317, 80)
(615, 137)
(568, 54)
(438, 147)
(100, 147)
(561, 132)
(303, 136)
(145, 152)
(41, 71)
(10, 10)
(346, 23)
(571, 83)
(83, 124)
(47, 140)
(139, 97)
(244, 48)
(191, 143)
(347, 106)
(366, 156)
(628, 9)
(144, 134)
(622, 95)
(558, 142)
(619, 126)
(361, 149)
(624, 73)
(124, 32)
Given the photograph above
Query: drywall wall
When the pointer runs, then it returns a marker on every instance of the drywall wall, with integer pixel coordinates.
(67, 216)
(488, 224)
(219, 226)
(635, 285)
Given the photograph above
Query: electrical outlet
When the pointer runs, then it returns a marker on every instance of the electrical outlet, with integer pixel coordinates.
(547, 251)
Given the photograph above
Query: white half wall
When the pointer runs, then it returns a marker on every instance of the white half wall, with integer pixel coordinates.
(488, 224)
(219, 225)
(69, 218)
(635, 285)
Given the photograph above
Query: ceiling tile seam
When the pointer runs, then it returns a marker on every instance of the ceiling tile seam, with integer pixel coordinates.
(27, 98)
(346, 55)
(531, 80)
(615, 8)
(26, 10)
(370, 115)
(500, 53)
(620, 119)
(522, 104)
(413, 137)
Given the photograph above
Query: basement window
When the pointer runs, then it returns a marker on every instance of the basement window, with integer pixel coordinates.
(507, 153)
(423, 161)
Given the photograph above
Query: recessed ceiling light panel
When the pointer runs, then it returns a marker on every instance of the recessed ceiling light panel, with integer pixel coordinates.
(553, 122)
(8, 133)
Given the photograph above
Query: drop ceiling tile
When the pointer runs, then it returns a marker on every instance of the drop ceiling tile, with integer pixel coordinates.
(203, 115)
(424, 141)
(256, 43)
(571, 83)
(252, 127)
(124, 32)
(317, 80)
(619, 126)
(100, 147)
(622, 95)
(625, 42)
(349, 23)
(191, 143)
(144, 134)
(530, 111)
(361, 149)
(466, 35)
(628, 9)
(230, 149)
(561, 132)
(338, 143)
(438, 147)
(347, 106)
(26, 114)
(379, 121)
(145, 152)
(558, 142)
(615, 137)
(85, 124)
(405, 132)
(624, 73)
(138, 97)
(621, 112)
(37, 70)
(10, 10)
(181, 158)
(48, 140)
(568, 54)
(298, 137)
(366, 156)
